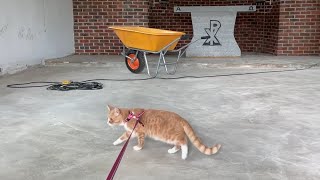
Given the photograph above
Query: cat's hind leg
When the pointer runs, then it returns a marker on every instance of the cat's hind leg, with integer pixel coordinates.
(175, 149)
(184, 151)
(184, 147)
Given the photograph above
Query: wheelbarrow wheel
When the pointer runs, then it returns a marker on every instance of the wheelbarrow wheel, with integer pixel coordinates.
(137, 65)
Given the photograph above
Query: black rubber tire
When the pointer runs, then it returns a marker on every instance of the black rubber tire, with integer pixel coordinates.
(142, 62)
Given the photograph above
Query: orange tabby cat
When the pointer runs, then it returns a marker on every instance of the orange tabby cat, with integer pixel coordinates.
(159, 125)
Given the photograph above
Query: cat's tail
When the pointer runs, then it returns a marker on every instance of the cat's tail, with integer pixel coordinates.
(195, 140)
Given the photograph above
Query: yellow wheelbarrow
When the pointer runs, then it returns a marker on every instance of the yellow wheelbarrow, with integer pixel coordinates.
(138, 41)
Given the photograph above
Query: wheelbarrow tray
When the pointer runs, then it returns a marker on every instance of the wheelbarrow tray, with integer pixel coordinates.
(146, 39)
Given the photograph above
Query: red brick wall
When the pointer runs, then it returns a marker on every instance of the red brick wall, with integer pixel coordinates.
(299, 27)
(284, 27)
(93, 17)
(270, 17)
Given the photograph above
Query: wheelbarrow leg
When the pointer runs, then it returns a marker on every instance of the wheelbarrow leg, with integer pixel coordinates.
(164, 62)
(147, 64)
(175, 64)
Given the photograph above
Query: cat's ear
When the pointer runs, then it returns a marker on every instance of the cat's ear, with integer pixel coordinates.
(116, 111)
(109, 107)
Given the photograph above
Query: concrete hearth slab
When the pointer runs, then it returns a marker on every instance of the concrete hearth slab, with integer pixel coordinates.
(268, 123)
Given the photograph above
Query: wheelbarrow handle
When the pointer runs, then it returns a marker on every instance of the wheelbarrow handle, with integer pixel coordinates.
(185, 37)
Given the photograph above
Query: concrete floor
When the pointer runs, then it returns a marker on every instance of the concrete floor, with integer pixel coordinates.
(267, 123)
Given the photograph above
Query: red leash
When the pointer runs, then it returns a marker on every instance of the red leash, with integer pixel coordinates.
(119, 158)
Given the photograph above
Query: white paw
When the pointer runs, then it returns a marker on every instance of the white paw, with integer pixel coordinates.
(137, 148)
(117, 142)
(184, 153)
(173, 150)
(184, 156)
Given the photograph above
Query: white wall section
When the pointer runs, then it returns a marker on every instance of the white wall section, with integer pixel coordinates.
(59, 26)
(33, 30)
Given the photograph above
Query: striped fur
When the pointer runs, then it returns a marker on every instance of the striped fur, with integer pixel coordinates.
(195, 140)
(160, 125)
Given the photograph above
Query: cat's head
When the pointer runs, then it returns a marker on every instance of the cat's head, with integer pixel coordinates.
(115, 118)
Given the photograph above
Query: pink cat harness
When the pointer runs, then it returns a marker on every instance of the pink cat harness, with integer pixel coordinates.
(131, 115)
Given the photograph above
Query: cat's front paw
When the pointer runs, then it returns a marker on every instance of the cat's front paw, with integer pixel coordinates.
(137, 148)
(173, 150)
(184, 156)
(117, 142)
